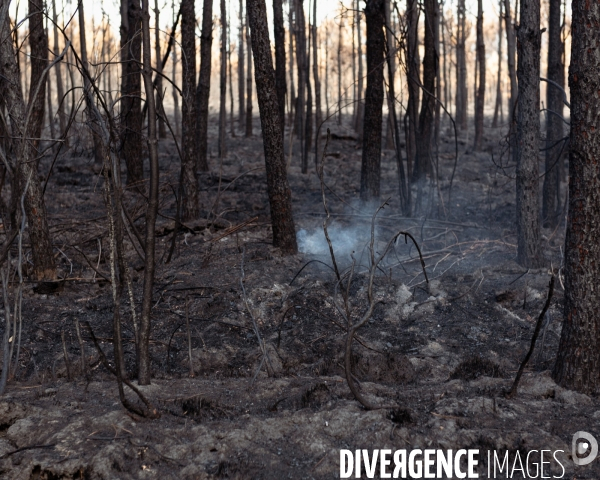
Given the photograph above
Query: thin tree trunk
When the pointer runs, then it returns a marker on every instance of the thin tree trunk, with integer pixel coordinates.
(26, 154)
(292, 95)
(371, 157)
(360, 113)
(60, 91)
(554, 123)
(230, 74)
(248, 80)
(423, 165)
(162, 129)
(280, 197)
(223, 83)
(414, 82)
(317, 81)
(174, 91)
(528, 136)
(131, 113)
(498, 106)
(461, 68)
(279, 31)
(190, 207)
(480, 99)
(152, 210)
(50, 115)
(301, 59)
(339, 69)
(241, 70)
(307, 140)
(510, 53)
(203, 88)
(578, 361)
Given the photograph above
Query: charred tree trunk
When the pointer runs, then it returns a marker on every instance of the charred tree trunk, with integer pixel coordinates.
(248, 79)
(316, 80)
(528, 136)
(175, 94)
(190, 207)
(152, 210)
(461, 68)
(280, 197)
(371, 157)
(554, 122)
(279, 31)
(339, 70)
(131, 113)
(203, 87)
(60, 90)
(578, 361)
(423, 165)
(498, 106)
(510, 53)
(308, 117)
(223, 83)
(480, 99)
(241, 70)
(414, 82)
(38, 44)
(25, 152)
(359, 119)
(301, 59)
(162, 129)
(292, 95)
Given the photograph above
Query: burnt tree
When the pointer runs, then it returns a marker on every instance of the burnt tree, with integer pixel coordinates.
(190, 207)
(413, 80)
(241, 67)
(480, 98)
(279, 31)
(371, 155)
(528, 136)
(461, 67)
(554, 119)
(578, 361)
(203, 88)
(280, 196)
(131, 90)
(223, 82)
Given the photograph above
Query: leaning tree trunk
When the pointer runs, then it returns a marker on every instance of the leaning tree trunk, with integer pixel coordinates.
(131, 103)
(423, 165)
(203, 89)
(480, 99)
(280, 196)
(554, 122)
(223, 83)
(371, 155)
(279, 31)
(190, 206)
(528, 136)
(25, 152)
(578, 360)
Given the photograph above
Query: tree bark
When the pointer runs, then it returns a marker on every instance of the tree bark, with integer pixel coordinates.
(280, 197)
(339, 69)
(279, 31)
(38, 44)
(162, 129)
(423, 165)
(316, 80)
(223, 83)
(554, 123)
(152, 209)
(480, 99)
(131, 103)
(190, 208)
(203, 88)
(25, 165)
(528, 136)
(578, 361)
(371, 155)
(60, 90)
(301, 59)
(358, 120)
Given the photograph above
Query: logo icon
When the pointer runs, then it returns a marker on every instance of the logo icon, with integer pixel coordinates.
(584, 448)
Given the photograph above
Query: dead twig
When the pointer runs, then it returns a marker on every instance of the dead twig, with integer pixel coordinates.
(536, 332)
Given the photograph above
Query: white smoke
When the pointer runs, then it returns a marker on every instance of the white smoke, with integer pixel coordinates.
(345, 241)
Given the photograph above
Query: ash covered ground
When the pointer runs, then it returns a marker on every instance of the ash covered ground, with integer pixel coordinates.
(438, 355)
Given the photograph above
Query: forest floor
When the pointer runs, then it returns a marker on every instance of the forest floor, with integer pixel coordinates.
(440, 355)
